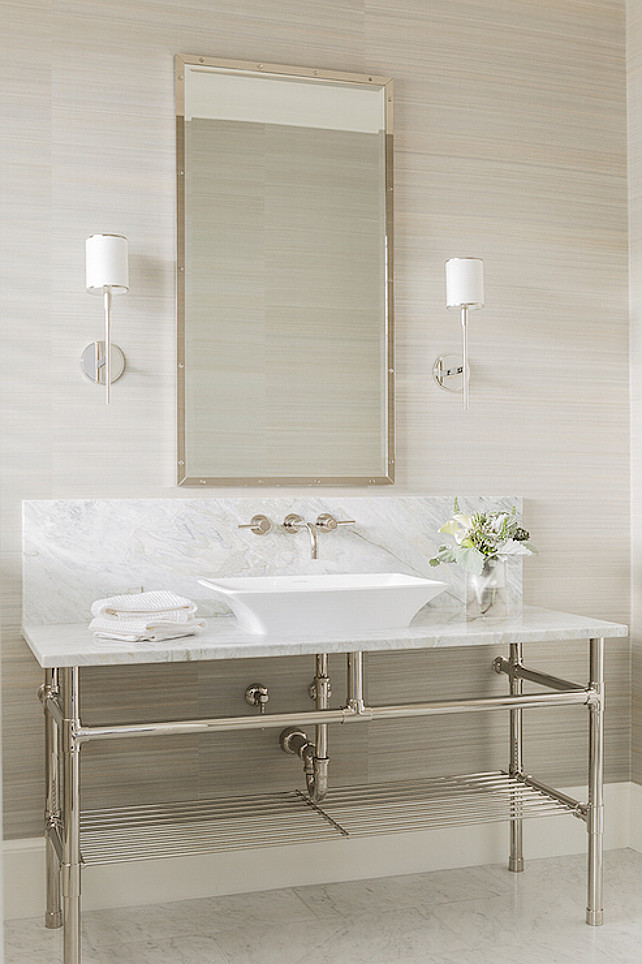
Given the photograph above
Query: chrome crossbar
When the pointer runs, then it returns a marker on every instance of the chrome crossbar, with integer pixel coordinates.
(518, 671)
(363, 714)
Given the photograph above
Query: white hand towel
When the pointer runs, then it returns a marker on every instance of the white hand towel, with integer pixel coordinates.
(161, 616)
(155, 637)
(158, 601)
(140, 629)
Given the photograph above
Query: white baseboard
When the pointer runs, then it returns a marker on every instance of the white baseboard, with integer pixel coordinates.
(635, 841)
(184, 878)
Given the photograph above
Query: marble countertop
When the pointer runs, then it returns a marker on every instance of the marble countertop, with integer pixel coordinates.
(71, 644)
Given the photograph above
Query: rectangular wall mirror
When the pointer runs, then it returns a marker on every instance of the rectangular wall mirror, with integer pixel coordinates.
(284, 267)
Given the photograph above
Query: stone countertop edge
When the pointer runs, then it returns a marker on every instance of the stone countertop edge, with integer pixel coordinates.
(71, 644)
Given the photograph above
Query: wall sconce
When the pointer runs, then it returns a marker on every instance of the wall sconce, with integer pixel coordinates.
(464, 290)
(107, 274)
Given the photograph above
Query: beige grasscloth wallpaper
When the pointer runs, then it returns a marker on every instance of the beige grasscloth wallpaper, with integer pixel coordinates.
(634, 71)
(510, 146)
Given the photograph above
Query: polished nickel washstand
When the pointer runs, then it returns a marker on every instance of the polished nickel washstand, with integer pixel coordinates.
(77, 838)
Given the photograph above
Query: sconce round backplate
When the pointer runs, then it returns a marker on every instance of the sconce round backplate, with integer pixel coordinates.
(447, 372)
(92, 362)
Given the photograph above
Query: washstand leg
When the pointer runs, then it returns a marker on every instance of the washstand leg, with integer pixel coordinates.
(595, 815)
(516, 858)
(71, 822)
(53, 914)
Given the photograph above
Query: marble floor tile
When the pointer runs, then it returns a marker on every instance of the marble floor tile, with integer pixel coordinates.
(384, 938)
(180, 950)
(481, 915)
(617, 941)
(29, 940)
(204, 917)
(563, 881)
(244, 943)
(547, 953)
(421, 891)
(498, 921)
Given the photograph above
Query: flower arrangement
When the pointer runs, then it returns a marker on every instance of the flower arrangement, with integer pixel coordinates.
(482, 536)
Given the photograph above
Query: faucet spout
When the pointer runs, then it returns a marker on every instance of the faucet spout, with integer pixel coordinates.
(294, 523)
(314, 539)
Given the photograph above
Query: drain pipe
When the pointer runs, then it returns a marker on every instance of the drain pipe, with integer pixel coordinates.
(295, 741)
(321, 759)
(356, 701)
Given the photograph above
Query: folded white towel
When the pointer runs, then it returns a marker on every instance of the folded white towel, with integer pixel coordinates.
(161, 616)
(152, 637)
(141, 629)
(156, 602)
(137, 617)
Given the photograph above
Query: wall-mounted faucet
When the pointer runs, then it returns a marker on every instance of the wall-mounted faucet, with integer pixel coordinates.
(294, 523)
(325, 523)
(260, 525)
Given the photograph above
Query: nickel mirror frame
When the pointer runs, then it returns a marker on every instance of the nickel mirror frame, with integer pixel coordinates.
(338, 77)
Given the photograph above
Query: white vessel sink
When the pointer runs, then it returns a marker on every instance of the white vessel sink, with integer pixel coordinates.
(305, 605)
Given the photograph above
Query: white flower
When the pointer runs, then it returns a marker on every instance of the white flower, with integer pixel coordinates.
(499, 522)
(482, 536)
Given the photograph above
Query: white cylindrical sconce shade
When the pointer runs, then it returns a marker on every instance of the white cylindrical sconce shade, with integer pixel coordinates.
(107, 263)
(465, 283)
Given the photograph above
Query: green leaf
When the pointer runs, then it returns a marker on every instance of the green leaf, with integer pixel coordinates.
(445, 554)
(471, 559)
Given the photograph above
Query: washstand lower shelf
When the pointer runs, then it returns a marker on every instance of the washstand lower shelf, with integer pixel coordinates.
(266, 820)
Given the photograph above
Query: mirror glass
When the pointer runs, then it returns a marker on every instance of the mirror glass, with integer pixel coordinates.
(284, 275)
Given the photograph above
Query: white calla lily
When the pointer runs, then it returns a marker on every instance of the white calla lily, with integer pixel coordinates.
(451, 528)
(464, 520)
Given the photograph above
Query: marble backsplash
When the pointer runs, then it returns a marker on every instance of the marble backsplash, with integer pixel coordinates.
(79, 550)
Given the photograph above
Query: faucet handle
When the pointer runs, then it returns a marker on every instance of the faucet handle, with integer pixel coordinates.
(260, 525)
(293, 522)
(327, 523)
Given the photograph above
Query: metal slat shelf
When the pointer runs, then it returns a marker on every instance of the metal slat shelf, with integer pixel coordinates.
(238, 823)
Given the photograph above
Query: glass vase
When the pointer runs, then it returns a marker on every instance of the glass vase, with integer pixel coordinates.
(487, 593)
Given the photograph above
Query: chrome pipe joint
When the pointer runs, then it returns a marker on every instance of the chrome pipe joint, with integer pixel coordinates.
(320, 787)
(295, 741)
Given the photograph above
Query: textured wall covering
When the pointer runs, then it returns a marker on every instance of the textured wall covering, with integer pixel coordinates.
(510, 145)
(634, 72)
